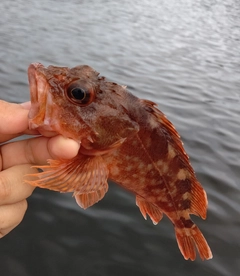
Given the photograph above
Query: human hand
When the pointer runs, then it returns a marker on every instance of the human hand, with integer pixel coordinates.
(17, 158)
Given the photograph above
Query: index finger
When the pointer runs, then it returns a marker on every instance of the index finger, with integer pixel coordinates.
(14, 120)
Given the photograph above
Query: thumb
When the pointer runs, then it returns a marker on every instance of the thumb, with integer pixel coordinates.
(61, 147)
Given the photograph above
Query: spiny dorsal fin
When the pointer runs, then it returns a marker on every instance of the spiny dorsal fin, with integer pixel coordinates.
(161, 118)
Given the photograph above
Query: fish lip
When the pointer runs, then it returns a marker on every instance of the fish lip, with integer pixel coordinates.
(37, 85)
(40, 114)
(32, 79)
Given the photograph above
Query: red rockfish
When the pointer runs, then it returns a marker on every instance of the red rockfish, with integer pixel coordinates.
(123, 138)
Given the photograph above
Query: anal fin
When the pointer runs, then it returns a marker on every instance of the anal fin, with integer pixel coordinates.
(148, 208)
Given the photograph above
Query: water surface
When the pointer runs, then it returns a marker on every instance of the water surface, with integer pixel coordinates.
(182, 54)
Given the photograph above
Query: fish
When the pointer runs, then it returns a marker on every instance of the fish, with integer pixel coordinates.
(122, 138)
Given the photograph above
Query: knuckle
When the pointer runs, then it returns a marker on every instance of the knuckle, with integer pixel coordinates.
(11, 216)
(2, 234)
(22, 207)
(5, 188)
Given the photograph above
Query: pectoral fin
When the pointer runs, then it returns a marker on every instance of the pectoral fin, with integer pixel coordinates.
(148, 208)
(86, 176)
(86, 200)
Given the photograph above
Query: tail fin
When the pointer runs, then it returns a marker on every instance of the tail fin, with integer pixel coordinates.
(189, 239)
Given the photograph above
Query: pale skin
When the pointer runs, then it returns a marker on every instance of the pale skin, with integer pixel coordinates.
(17, 158)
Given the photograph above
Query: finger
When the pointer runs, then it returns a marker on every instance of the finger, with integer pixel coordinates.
(12, 185)
(13, 118)
(61, 147)
(26, 105)
(38, 150)
(8, 137)
(11, 216)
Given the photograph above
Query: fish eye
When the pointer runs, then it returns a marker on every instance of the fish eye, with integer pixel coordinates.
(80, 95)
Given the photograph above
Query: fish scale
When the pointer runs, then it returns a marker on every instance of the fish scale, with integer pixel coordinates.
(123, 138)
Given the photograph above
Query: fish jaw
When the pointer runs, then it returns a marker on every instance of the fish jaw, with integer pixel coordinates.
(41, 114)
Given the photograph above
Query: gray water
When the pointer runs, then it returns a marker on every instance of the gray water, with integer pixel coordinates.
(182, 54)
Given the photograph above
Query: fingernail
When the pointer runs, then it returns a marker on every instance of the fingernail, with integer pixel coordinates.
(26, 105)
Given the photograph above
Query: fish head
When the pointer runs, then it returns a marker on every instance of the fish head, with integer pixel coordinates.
(78, 104)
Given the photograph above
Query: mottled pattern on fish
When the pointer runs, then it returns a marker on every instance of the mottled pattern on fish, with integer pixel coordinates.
(123, 138)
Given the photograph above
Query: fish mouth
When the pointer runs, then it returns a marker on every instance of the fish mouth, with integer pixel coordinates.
(39, 96)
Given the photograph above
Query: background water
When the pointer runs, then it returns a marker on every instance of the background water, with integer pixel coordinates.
(182, 54)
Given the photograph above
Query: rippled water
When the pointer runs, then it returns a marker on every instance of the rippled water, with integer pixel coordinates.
(182, 54)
